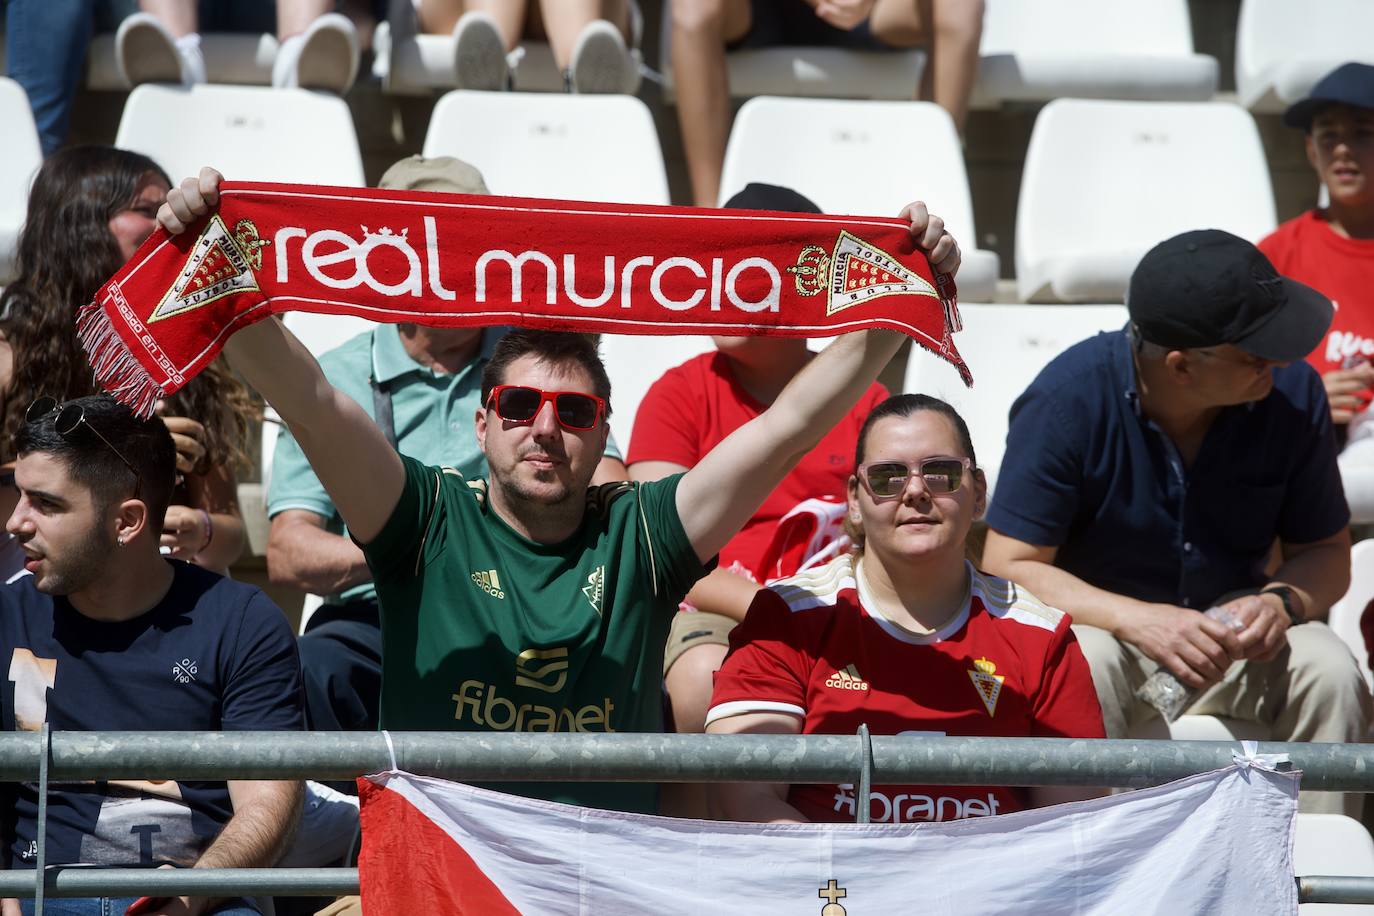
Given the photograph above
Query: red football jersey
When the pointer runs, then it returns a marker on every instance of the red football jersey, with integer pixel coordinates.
(1006, 665)
(1342, 268)
(694, 406)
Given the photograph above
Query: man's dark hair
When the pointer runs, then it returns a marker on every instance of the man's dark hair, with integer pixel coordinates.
(556, 348)
(904, 405)
(146, 445)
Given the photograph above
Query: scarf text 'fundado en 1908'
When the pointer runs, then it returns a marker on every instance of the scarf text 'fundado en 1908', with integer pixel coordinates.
(455, 260)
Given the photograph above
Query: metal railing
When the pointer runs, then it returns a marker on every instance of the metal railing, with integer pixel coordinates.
(864, 760)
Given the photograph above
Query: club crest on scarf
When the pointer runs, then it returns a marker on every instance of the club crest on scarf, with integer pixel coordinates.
(854, 272)
(220, 264)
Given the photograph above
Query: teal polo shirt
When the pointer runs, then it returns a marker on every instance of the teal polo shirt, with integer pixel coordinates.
(432, 412)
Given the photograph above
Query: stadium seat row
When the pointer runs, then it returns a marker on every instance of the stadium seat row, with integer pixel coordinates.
(1030, 52)
(1103, 180)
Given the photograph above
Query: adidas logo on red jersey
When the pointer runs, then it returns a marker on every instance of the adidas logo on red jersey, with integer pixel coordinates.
(846, 678)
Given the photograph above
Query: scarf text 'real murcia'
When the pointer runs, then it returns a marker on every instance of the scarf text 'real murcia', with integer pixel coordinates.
(456, 260)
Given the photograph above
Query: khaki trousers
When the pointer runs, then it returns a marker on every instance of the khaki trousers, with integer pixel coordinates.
(1312, 692)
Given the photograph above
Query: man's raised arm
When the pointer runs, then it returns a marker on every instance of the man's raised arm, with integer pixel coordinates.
(361, 472)
(719, 494)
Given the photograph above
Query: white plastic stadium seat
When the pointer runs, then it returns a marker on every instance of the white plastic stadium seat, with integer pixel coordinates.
(1332, 844)
(1126, 49)
(634, 363)
(862, 158)
(1344, 618)
(1006, 346)
(1106, 181)
(247, 132)
(570, 147)
(20, 157)
(1283, 48)
(809, 71)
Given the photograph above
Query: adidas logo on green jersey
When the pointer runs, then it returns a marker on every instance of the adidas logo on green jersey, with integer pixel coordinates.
(488, 581)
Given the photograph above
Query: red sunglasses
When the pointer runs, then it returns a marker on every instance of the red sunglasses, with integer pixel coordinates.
(521, 404)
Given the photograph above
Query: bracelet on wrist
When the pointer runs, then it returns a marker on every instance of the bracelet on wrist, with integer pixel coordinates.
(209, 531)
(1292, 605)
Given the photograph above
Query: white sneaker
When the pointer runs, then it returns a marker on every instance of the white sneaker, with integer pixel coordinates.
(324, 56)
(145, 52)
(479, 54)
(600, 60)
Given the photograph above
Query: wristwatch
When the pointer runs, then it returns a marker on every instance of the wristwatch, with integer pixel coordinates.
(1290, 603)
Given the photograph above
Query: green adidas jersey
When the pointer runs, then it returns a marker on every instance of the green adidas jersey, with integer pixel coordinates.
(486, 630)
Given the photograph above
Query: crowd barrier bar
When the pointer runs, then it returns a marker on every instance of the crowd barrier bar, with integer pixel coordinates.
(865, 760)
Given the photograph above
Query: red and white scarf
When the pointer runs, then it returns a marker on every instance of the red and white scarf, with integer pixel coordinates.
(456, 260)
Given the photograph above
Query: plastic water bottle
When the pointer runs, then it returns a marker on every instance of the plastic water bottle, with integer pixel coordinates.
(1167, 693)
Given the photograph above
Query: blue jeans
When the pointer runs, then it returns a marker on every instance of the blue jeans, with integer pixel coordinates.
(45, 47)
(115, 906)
(46, 43)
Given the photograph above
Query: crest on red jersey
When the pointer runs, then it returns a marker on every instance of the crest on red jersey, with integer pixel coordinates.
(988, 683)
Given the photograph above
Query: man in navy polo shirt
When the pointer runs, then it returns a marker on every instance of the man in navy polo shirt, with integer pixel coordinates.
(1150, 472)
(105, 634)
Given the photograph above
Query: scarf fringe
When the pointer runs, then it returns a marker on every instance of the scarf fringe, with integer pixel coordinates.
(115, 368)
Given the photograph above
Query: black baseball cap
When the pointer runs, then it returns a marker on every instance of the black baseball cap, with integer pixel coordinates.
(1348, 84)
(759, 196)
(1208, 287)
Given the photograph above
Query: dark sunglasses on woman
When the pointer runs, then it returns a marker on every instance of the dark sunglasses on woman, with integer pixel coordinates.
(887, 478)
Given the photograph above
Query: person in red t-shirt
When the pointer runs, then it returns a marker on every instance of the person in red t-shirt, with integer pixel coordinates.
(904, 635)
(1332, 249)
(690, 409)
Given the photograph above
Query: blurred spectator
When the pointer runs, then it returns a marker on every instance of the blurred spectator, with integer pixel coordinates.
(590, 40)
(1150, 471)
(903, 635)
(106, 635)
(90, 209)
(421, 385)
(318, 48)
(703, 30)
(685, 414)
(45, 52)
(1332, 249)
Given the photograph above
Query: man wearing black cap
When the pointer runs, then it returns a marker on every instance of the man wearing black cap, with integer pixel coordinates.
(1332, 249)
(1149, 473)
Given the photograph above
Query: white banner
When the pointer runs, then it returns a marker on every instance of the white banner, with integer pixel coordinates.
(1219, 842)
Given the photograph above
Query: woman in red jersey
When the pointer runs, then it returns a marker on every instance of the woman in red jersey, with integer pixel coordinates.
(903, 635)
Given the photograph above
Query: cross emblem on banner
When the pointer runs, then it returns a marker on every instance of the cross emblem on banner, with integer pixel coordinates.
(831, 893)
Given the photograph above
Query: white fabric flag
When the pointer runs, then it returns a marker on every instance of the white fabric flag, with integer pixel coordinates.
(1219, 842)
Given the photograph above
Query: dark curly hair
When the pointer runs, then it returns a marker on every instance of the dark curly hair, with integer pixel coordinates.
(65, 253)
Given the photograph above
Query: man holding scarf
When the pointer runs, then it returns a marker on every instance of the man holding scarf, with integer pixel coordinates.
(530, 602)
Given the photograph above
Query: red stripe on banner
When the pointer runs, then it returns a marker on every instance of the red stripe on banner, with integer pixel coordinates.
(411, 865)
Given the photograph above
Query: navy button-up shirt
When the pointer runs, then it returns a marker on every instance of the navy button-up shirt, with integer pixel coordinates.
(1087, 472)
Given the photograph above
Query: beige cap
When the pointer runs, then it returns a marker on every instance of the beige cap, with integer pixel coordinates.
(437, 173)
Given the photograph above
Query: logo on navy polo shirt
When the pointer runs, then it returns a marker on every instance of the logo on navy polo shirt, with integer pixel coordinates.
(184, 671)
